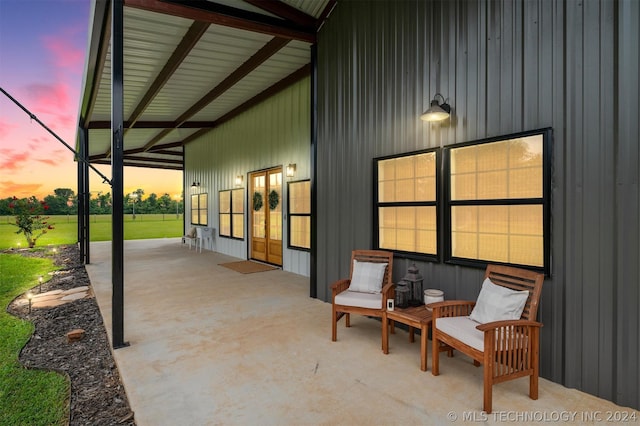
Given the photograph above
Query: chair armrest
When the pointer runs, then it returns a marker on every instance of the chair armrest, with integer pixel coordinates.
(388, 291)
(339, 286)
(452, 308)
(507, 337)
(509, 323)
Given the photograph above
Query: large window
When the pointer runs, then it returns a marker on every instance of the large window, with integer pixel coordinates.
(498, 201)
(231, 213)
(299, 214)
(199, 209)
(406, 210)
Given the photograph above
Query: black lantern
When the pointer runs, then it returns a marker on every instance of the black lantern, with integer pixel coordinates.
(415, 281)
(403, 294)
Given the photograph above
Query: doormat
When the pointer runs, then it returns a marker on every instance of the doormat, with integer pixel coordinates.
(248, 266)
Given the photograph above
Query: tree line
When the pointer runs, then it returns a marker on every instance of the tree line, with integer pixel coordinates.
(64, 201)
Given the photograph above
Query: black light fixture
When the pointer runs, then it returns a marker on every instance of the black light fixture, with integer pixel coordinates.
(437, 111)
(195, 184)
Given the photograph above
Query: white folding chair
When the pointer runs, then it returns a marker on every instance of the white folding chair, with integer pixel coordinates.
(203, 235)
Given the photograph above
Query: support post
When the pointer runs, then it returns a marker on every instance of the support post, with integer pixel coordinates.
(86, 197)
(117, 155)
(313, 282)
(80, 213)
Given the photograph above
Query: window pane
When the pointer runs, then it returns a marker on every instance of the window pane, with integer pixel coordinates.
(411, 229)
(237, 197)
(498, 170)
(225, 225)
(527, 250)
(406, 179)
(238, 225)
(259, 230)
(527, 219)
(386, 192)
(463, 160)
(492, 185)
(508, 234)
(300, 231)
(300, 197)
(464, 244)
(525, 183)
(275, 225)
(225, 202)
(463, 187)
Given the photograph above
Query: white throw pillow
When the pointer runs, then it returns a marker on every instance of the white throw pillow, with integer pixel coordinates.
(367, 277)
(497, 303)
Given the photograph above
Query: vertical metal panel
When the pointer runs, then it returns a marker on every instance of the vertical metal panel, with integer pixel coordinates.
(273, 133)
(626, 133)
(505, 67)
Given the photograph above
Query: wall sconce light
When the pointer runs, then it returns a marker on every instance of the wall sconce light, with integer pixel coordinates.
(291, 170)
(437, 111)
(195, 184)
(239, 180)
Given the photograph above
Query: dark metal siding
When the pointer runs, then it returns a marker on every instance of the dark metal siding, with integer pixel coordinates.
(506, 66)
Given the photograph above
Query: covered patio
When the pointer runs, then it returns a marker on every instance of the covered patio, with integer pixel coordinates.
(213, 346)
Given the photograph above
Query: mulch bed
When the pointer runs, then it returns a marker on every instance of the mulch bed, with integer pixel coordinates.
(97, 394)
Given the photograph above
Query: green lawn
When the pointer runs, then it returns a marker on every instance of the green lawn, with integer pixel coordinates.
(66, 229)
(27, 397)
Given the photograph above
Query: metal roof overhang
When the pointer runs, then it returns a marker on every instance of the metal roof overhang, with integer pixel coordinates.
(190, 66)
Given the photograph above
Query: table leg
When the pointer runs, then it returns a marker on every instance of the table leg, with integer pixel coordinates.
(423, 346)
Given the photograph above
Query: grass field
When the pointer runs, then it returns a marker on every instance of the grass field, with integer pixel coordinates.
(27, 397)
(66, 229)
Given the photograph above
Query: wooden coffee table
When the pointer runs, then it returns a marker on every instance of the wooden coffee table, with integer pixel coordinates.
(415, 317)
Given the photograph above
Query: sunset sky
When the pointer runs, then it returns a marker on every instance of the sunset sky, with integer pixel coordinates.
(42, 58)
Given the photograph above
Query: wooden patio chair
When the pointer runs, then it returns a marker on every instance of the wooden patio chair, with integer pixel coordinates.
(507, 348)
(367, 289)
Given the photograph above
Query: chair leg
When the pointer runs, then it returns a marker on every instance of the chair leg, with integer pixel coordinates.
(334, 325)
(385, 334)
(488, 384)
(347, 320)
(435, 353)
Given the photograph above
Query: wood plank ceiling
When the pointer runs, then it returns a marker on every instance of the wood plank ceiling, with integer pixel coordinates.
(190, 66)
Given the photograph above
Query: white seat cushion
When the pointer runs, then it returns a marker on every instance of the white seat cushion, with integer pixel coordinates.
(462, 329)
(361, 300)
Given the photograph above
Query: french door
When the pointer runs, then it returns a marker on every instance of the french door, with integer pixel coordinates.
(266, 215)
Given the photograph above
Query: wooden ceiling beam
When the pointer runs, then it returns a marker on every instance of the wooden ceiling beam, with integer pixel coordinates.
(227, 16)
(143, 124)
(249, 65)
(130, 163)
(182, 50)
(153, 160)
(285, 11)
(295, 76)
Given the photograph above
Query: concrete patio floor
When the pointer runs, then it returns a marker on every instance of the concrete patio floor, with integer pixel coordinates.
(211, 346)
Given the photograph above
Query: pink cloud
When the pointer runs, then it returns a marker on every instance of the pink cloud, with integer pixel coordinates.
(6, 128)
(48, 161)
(57, 102)
(65, 54)
(11, 160)
(19, 189)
